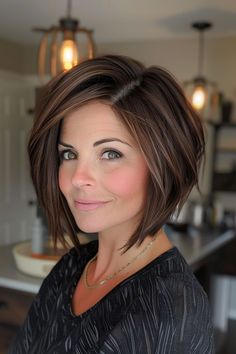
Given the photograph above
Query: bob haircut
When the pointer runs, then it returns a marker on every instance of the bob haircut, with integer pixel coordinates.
(156, 113)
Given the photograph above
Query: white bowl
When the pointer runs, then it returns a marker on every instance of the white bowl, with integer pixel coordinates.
(41, 266)
(37, 267)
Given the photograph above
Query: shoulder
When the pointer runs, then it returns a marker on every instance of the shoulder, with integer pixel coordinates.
(54, 287)
(172, 285)
(70, 264)
(192, 318)
(172, 274)
(175, 307)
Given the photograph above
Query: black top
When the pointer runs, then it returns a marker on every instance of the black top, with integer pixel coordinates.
(161, 309)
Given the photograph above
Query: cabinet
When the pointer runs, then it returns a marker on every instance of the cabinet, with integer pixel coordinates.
(224, 150)
(14, 306)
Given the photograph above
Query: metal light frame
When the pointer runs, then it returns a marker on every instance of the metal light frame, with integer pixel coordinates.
(66, 24)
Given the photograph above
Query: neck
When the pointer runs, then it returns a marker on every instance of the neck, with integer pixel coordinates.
(109, 258)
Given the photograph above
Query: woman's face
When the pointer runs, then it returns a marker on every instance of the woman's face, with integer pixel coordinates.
(102, 173)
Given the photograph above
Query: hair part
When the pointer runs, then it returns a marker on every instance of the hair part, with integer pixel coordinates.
(152, 106)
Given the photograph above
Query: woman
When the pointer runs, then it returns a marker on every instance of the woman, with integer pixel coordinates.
(115, 149)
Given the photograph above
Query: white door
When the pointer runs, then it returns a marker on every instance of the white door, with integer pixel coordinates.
(16, 216)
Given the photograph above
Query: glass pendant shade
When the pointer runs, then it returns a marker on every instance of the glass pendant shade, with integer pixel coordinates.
(199, 97)
(203, 96)
(63, 47)
(69, 54)
(202, 93)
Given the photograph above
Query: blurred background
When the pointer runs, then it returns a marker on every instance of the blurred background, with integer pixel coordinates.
(196, 42)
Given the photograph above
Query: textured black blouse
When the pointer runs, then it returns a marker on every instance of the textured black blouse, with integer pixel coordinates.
(161, 309)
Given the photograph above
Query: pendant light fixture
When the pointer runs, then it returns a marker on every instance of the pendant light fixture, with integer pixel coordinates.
(61, 46)
(201, 92)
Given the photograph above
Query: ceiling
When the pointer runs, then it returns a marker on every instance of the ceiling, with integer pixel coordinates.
(117, 20)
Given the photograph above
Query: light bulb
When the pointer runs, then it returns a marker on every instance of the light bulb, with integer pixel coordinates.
(199, 97)
(69, 54)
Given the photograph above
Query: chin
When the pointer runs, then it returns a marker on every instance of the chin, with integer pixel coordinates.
(88, 228)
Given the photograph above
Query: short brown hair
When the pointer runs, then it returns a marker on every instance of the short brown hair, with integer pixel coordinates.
(155, 111)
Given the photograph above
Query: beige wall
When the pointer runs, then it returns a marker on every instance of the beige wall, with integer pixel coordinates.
(181, 58)
(15, 57)
(178, 56)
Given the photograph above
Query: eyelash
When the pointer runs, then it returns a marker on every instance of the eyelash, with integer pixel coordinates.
(63, 153)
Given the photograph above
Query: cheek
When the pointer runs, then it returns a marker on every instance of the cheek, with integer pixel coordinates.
(63, 181)
(128, 183)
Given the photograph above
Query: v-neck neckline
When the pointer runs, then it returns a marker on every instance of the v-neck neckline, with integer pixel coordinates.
(133, 277)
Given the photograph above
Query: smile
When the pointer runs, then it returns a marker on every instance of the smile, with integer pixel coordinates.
(88, 205)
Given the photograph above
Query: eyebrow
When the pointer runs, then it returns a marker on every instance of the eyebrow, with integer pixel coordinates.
(64, 144)
(99, 142)
(108, 140)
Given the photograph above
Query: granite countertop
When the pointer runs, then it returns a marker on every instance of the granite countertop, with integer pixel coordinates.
(195, 247)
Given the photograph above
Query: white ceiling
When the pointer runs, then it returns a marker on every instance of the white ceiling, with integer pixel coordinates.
(117, 20)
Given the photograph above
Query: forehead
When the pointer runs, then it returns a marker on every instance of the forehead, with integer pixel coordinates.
(93, 119)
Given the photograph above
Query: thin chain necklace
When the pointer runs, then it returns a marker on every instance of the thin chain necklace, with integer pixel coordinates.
(109, 277)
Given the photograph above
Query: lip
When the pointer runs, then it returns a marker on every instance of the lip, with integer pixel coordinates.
(87, 205)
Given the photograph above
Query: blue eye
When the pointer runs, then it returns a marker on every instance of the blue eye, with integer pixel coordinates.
(66, 155)
(111, 155)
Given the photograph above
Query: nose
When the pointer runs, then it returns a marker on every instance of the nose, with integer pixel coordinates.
(83, 175)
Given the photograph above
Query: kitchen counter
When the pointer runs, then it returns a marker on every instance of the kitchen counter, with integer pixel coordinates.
(11, 277)
(195, 247)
